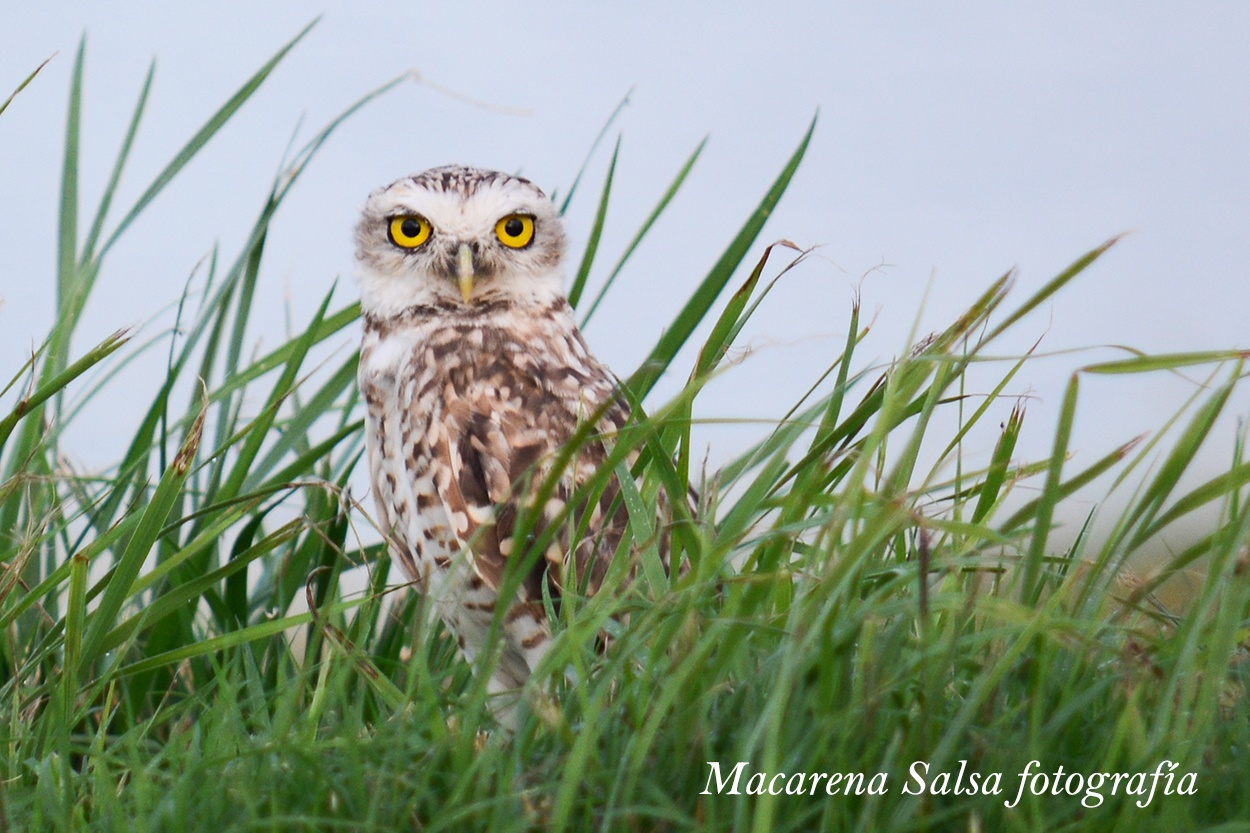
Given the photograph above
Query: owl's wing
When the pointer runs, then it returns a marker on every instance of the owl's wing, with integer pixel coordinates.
(499, 449)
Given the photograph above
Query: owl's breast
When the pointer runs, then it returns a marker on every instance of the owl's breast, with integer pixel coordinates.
(383, 358)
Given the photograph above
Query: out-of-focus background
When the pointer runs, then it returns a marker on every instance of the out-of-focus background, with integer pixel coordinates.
(953, 142)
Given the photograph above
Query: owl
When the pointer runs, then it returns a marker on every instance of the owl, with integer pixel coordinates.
(474, 374)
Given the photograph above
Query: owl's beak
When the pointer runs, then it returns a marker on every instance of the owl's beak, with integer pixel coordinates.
(464, 271)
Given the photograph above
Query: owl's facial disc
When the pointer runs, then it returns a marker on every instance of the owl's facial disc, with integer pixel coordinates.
(460, 236)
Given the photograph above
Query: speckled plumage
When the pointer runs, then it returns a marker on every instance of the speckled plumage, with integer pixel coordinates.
(469, 393)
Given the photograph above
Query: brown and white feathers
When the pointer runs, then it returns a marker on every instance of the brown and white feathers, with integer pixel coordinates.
(474, 374)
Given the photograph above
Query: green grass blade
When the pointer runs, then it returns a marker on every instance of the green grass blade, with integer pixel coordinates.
(662, 355)
(603, 131)
(67, 232)
(592, 244)
(1226, 485)
(201, 138)
(1000, 459)
(1170, 361)
(731, 319)
(324, 329)
(295, 430)
(75, 616)
(257, 430)
(122, 530)
(642, 232)
(1070, 486)
(1180, 458)
(188, 594)
(242, 636)
(119, 165)
(154, 517)
(1050, 288)
(31, 403)
(1050, 496)
(5, 104)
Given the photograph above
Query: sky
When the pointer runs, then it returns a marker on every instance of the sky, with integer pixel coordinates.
(953, 142)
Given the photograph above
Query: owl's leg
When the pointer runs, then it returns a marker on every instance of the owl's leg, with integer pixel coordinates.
(529, 636)
(527, 641)
(469, 621)
(467, 604)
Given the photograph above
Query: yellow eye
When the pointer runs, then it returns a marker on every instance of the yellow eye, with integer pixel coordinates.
(515, 231)
(409, 231)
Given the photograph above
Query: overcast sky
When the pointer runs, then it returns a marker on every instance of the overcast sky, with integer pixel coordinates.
(954, 141)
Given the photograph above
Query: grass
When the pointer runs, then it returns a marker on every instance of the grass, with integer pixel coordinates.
(178, 650)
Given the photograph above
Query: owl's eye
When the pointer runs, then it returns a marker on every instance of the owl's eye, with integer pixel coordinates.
(515, 231)
(409, 231)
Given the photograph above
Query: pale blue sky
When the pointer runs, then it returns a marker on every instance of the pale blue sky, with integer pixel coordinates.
(955, 141)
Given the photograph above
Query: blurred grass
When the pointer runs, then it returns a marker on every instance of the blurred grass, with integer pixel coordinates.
(179, 653)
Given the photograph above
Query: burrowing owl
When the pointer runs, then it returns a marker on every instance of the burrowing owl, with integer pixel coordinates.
(474, 373)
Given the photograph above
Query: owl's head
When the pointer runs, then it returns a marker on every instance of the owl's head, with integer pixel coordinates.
(458, 235)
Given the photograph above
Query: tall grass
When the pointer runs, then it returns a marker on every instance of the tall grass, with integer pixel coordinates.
(178, 652)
